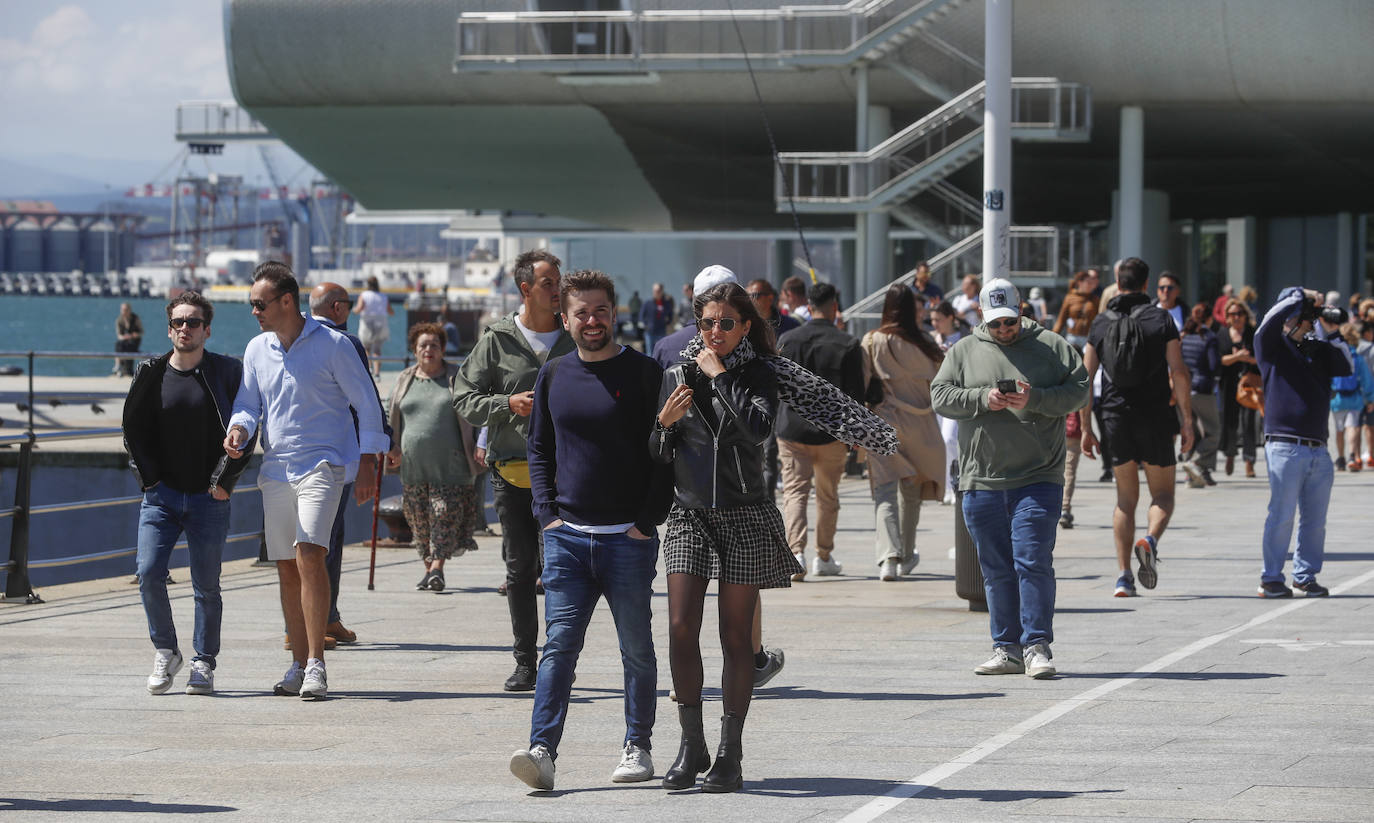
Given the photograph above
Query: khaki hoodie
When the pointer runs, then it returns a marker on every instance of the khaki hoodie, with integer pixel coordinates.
(1011, 448)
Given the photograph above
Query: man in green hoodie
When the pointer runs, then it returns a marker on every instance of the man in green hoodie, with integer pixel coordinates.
(1010, 385)
(495, 388)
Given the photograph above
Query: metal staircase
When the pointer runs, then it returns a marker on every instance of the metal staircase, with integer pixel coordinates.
(783, 37)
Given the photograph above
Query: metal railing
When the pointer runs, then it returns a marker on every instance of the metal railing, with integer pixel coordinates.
(217, 120)
(1036, 260)
(925, 152)
(686, 40)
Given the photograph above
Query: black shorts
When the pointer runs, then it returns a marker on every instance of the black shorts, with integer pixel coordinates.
(1142, 438)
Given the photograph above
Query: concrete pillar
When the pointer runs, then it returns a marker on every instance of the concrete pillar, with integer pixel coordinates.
(1240, 251)
(1131, 184)
(878, 253)
(997, 140)
(1348, 280)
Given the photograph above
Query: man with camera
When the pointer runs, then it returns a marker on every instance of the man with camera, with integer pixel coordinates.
(1297, 363)
(1010, 384)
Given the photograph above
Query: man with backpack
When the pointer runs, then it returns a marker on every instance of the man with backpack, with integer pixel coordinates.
(1137, 345)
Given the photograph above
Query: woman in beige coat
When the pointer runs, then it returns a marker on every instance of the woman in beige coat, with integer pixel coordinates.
(904, 359)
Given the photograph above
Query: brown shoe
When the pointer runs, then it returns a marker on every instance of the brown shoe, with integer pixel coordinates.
(1249, 468)
(329, 643)
(336, 631)
(1230, 465)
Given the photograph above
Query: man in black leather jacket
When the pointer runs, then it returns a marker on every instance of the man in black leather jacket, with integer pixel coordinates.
(174, 425)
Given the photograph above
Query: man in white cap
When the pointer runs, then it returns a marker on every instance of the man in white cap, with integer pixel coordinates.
(668, 351)
(1010, 384)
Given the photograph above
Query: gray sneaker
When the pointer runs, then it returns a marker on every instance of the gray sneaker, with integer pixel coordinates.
(776, 660)
(1001, 662)
(1038, 663)
(202, 680)
(534, 766)
(636, 766)
(314, 685)
(166, 663)
(290, 683)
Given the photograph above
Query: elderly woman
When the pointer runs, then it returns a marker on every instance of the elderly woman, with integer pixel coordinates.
(433, 447)
(904, 358)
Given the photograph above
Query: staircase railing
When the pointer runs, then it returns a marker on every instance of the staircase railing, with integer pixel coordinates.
(674, 40)
(925, 152)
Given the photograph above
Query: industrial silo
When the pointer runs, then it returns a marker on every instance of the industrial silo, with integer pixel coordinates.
(26, 246)
(99, 246)
(128, 243)
(62, 246)
(4, 247)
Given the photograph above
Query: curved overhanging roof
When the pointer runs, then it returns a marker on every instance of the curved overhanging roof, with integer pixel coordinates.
(1251, 106)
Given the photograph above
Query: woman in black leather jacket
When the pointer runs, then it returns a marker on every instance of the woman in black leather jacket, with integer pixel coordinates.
(717, 412)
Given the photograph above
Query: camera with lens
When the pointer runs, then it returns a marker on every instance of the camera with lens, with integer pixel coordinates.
(1334, 314)
(1310, 311)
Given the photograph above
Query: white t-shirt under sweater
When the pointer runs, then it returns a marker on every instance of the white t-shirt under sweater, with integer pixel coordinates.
(540, 341)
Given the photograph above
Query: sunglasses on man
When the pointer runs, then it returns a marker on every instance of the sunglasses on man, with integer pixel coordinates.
(193, 322)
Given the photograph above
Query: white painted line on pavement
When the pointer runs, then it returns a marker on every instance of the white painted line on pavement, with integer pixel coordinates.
(929, 779)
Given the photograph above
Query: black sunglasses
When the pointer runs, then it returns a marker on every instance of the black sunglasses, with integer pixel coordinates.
(726, 323)
(1167, 287)
(261, 305)
(193, 322)
(1006, 321)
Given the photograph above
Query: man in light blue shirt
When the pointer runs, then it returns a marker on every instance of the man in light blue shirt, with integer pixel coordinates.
(300, 379)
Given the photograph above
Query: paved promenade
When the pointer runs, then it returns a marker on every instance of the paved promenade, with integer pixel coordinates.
(1197, 701)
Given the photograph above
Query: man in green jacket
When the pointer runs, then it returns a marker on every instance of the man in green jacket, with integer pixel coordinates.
(495, 388)
(1010, 385)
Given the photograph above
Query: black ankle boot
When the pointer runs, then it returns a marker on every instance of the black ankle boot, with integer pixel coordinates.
(693, 757)
(726, 775)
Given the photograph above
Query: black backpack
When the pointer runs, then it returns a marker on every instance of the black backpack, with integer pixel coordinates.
(1124, 351)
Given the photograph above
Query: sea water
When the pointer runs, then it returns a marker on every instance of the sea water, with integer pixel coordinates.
(87, 324)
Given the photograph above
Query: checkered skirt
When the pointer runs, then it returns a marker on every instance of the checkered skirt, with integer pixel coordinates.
(746, 545)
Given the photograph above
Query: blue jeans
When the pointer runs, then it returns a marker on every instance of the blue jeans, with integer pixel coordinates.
(1014, 530)
(578, 569)
(163, 517)
(1299, 477)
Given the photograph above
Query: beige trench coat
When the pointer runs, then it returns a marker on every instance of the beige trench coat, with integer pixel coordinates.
(906, 373)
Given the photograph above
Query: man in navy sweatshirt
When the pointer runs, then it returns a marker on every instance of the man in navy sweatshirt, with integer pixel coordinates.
(1297, 363)
(599, 498)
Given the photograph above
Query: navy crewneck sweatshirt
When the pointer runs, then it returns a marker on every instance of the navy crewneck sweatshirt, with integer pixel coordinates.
(1297, 384)
(589, 442)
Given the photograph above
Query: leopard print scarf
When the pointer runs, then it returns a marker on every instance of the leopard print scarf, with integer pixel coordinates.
(815, 399)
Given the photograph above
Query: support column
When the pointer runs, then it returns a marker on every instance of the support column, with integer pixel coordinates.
(1240, 252)
(878, 254)
(1348, 280)
(1131, 183)
(997, 140)
(849, 292)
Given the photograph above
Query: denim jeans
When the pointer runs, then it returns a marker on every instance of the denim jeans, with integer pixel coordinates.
(578, 570)
(1014, 530)
(165, 514)
(520, 542)
(1300, 477)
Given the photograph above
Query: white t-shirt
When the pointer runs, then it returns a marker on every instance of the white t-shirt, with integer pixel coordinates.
(540, 341)
(968, 307)
(374, 304)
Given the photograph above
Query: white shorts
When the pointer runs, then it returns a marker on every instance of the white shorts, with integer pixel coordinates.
(1346, 419)
(301, 511)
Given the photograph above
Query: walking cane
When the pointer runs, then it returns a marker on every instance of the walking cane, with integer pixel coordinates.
(376, 506)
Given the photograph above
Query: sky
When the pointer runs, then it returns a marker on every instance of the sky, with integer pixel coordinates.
(89, 89)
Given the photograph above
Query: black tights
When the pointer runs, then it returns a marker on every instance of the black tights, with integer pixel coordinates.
(736, 604)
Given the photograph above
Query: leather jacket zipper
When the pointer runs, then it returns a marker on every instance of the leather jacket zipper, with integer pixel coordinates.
(739, 468)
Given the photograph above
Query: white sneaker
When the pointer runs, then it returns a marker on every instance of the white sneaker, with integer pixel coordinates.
(825, 568)
(290, 683)
(636, 766)
(534, 766)
(314, 685)
(202, 680)
(948, 499)
(1038, 663)
(801, 561)
(1001, 662)
(890, 571)
(1195, 480)
(909, 565)
(166, 663)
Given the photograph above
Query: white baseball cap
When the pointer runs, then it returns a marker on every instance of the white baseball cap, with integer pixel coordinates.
(713, 276)
(999, 299)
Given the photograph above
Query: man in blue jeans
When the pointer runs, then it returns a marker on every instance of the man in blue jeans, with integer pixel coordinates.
(1297, 362)
(598, 498)
(174, 421)
(1010, 384)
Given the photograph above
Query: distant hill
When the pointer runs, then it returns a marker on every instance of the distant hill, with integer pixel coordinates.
(22, 181)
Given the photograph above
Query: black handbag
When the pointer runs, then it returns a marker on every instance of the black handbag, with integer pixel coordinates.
(873, 395)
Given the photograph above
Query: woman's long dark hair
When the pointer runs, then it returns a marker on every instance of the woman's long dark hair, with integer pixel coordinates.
(899, 318)
(760, 330)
